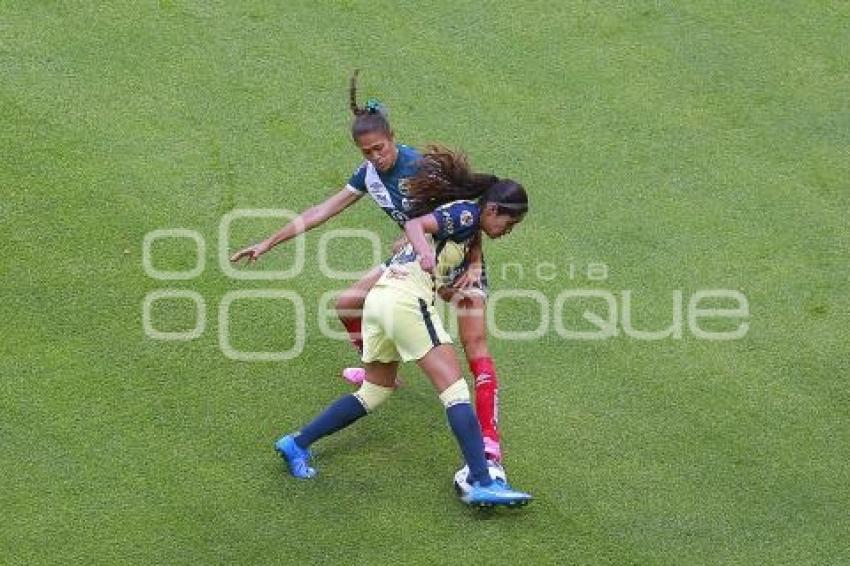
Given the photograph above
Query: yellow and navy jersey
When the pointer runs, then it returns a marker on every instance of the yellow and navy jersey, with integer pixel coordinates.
(387, 188)
(457, 224)
(457, 221)
(403, 271)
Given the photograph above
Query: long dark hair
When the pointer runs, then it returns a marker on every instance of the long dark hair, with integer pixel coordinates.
(372, 117)
(444, 175)
(509, 197)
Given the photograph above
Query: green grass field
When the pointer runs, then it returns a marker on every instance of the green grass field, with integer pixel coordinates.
(685, 145)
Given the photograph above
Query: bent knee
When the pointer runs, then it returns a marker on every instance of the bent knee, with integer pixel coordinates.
(372, 396)
(457, 392)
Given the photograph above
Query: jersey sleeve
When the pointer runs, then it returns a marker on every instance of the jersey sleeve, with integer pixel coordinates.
(457, 221)
(357, 181)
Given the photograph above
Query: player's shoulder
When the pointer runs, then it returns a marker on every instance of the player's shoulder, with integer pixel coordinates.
(408, 159)
(360, 172)
(461, 206)
(407, 152)
(457, 220)
(357, 180)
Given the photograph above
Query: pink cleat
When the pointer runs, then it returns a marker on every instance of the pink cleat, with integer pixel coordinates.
(492, 449)
(354, 376)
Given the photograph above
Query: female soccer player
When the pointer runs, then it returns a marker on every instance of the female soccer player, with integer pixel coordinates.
(400, 324)
(383, 175)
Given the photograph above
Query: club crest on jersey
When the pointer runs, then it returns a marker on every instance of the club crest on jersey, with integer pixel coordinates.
(466, 218)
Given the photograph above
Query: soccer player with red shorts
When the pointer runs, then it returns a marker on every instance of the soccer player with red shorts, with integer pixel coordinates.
(383, 175)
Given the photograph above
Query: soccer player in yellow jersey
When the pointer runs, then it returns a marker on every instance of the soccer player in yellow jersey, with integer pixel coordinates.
(401, 325)
(387, 176)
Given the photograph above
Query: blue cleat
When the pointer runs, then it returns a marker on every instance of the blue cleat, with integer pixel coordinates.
(497, 472)
(497, 493)
(297, 459)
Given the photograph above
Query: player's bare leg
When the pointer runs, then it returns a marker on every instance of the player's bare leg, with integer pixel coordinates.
(349, 309)
(349, 306)
(471, 312)
(382, 374)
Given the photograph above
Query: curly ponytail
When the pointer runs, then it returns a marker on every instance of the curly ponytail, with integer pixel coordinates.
(352, 93)
(444, 175)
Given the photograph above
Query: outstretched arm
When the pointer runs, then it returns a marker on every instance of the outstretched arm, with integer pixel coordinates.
(307, 220)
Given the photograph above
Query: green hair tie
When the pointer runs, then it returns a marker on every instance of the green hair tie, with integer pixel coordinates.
(374, 106)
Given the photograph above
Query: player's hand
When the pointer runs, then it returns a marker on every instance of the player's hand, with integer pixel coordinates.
(450, 295)
(471, 278)
(428, 263)
(253, 253)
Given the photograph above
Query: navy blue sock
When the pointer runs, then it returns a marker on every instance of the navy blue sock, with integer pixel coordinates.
(468, 433)
(337, 416)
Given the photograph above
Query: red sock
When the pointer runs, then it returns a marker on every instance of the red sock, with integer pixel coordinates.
(354, 328)
(487, 403)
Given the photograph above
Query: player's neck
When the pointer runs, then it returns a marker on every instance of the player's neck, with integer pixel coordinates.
(395, 160)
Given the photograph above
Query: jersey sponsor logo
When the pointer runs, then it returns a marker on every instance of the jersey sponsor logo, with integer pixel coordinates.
(394, 272)
(483, 378)
(399, 217)
(466, 218)
(448, 222)
(380, 194)
(377, 188)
